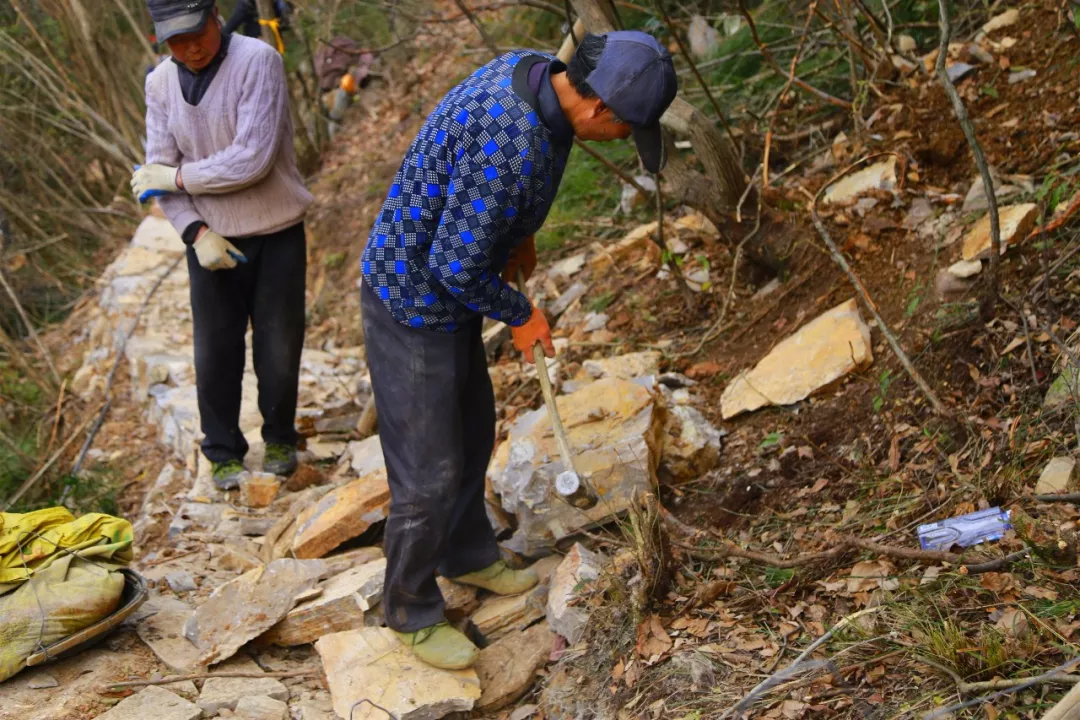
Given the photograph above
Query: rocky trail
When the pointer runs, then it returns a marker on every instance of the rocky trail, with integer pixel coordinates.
(763, 459)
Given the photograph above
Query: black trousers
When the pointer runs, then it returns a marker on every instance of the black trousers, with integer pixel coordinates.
(268, 290)
(436, 413)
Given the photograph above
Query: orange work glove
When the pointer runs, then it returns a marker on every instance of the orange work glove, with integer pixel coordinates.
(524, 257)
(535, 330)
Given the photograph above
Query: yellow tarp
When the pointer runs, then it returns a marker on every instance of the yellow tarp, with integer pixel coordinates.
(30, 542)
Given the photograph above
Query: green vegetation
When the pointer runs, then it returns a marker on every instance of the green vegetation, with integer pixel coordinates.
(589, 192)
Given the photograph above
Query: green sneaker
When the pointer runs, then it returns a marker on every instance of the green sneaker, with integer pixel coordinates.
(227, 474)
(441, 646)
(279, 459)
(500, 579)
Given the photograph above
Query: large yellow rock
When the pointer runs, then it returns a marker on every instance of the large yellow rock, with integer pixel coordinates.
(341, 515)
(372, 664)
(1016, 222)
(614, 428)
(820, 353)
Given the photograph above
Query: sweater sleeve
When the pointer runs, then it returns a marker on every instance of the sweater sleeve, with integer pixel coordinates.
(481, 202)
(161, 148)
(262, 118)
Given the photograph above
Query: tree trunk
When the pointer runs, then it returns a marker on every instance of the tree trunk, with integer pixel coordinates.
(728, 181)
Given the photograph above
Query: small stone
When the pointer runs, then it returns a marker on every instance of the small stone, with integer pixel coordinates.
(691, 443)
(326, 450)
(153, 702)
(574, 292)
(258, 489)
(595, 321)
(1061, 391)
(233, 559)
(337, 564)
(163, 632)
(185, 689)
(256, 526)
(261, 707)
(964, 269)
(508, 667)
(499, 616)
(977, 52)
(624, 367)
(341, 606)
(341, 515)
(696, 223)
(358, 662)
(42, 681)
(1057, 477)
(579, 568)
(821, 352)
(568, 267)
(879, 176)
(180, 581)
(957, 71)
(307, 476)
(223, 693)
(459, 599)
(1005, 19)
(1021, 76)
(906, 44)
(1015, 221)
(366, 457)
(196, 516)
(244, 608)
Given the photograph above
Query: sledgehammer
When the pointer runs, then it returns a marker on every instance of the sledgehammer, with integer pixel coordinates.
(570, 486)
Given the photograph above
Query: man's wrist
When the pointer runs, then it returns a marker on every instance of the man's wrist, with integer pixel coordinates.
(179, 179)
(192, 231)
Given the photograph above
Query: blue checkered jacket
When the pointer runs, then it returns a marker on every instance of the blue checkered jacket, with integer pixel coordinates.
(479, 178)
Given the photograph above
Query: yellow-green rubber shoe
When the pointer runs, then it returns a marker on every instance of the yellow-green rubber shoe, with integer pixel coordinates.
(441, 646)
(501, 580)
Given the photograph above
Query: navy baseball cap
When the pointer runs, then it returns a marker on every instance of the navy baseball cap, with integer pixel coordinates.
(179, 17)
(635, 77)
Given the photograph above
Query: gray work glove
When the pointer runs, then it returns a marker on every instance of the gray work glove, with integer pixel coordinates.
(215, 252)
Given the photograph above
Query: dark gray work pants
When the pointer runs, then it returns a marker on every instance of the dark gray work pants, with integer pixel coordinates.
(436, 413)
(268, 291)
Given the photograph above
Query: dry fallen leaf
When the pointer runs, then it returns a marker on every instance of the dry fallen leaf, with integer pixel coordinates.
(652, 640)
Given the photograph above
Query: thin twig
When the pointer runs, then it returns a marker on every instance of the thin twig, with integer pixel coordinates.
(788, 672)
(208, 676)
(832, 100)
(990, 294)
(623, 175)
(488, 40)
(783, 93)
(931, 396)
(1002, 683)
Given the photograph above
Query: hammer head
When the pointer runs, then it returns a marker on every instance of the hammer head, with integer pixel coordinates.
(569, 486)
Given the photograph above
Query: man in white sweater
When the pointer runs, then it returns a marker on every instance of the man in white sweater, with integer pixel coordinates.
(220, 159)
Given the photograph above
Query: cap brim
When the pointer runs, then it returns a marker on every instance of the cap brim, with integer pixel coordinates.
(181, 25)
(649, 140)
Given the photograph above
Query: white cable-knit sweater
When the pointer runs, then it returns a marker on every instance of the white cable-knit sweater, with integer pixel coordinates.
(235, 147)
